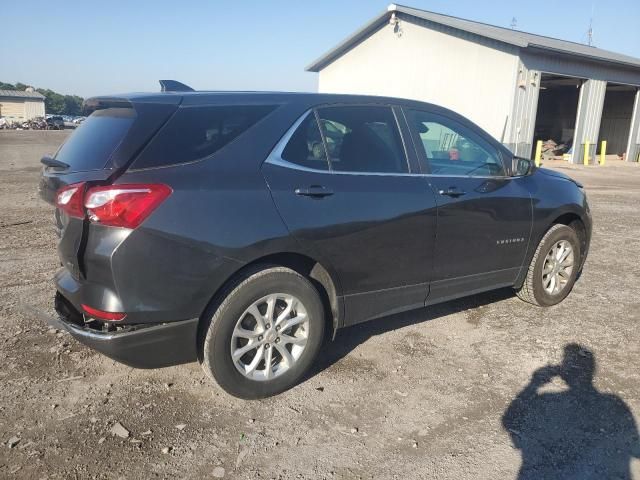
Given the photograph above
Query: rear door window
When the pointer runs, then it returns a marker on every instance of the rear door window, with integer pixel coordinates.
(305, 147)
(362, 138)
(93, 142)
(194, 133)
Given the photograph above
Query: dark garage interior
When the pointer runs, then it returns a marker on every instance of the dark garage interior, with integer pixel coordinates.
(557, 110)
(616, 117)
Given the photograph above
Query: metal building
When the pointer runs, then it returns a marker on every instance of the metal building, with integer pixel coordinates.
(19, 106)
(518, 86)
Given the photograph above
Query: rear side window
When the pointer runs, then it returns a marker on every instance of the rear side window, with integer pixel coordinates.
(363, 139)
(194, 133)
(93, 142)
(305, 147)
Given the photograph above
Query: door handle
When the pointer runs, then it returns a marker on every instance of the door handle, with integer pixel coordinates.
(452, 192)
(316, 191)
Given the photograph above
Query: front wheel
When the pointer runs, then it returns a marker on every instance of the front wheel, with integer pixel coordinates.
(265, 334)
(553, 269)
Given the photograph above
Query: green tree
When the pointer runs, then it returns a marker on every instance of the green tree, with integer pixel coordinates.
(73, 105)
(53, 102)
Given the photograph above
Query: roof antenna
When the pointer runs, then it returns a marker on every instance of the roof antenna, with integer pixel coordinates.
(590, 31)
(514, 23)
(174, 86)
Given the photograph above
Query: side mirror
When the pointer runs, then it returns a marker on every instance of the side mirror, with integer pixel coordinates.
(521, 167)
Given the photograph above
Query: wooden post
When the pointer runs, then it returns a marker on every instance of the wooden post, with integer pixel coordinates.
(603, 152)
(538, 156)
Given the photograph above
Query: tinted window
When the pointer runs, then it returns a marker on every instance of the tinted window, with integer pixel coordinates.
(305, 147)
(363, 139)
(197, 132)
(93, 142)
(452, 149)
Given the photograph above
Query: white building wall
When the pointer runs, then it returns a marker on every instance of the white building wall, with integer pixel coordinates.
(470, 75)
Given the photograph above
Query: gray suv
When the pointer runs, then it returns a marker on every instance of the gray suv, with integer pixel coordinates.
(242, 230)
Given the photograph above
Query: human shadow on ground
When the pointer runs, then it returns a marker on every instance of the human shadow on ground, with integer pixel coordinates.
(577, 433)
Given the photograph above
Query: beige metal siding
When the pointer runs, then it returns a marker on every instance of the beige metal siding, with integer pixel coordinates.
(11, 109)
(33, 108)
(431, 63)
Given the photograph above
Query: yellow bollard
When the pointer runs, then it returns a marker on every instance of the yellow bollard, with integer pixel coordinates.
(538, 153)
(603, 151)
(585, 160)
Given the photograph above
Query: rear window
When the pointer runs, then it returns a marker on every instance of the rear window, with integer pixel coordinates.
(93, 142)
(197, 132)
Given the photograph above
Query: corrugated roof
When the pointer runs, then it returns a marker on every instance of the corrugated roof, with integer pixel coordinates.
(506, 35)
(20, 94)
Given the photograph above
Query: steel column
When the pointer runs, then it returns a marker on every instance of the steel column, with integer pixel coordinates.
(633, 144)
(588, 117)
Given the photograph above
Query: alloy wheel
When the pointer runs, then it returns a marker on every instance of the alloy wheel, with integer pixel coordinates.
(557, 267)
(270, 336)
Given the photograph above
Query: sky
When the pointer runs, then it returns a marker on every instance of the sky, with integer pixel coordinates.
(97, 48)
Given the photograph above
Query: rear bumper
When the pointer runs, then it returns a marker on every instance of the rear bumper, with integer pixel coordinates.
(139, 346)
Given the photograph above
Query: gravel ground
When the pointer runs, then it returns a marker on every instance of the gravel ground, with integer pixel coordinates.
(443, 392)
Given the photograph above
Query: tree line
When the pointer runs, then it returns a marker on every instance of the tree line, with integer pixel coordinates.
(54, 102)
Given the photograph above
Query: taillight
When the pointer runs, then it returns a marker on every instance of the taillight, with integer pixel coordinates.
(124, 205)
(69, 200)
(102, 315)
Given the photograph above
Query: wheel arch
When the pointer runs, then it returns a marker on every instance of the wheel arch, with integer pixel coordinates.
(303, 264)
(570, 218)
(575, 221)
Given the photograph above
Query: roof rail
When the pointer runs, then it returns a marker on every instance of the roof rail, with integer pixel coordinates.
(174, 86)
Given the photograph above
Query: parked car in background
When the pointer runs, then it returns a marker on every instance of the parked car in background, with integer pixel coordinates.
(55, 122)
(211, 226)
(69, 122)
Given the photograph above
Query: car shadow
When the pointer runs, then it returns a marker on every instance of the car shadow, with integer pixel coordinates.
(576, 433)
(349, 338)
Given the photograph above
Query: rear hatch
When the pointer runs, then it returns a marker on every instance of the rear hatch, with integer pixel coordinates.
(97, 153)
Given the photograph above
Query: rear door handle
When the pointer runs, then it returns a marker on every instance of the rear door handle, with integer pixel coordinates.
(452, 192)
(317, 191)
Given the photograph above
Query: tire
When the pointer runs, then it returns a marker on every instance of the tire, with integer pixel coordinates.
(533, 289)
(231, 315)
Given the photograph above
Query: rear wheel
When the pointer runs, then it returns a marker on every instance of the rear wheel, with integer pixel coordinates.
(553, 269)
(265, 334)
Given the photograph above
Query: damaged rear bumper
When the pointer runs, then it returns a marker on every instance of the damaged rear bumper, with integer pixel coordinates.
(139, 346)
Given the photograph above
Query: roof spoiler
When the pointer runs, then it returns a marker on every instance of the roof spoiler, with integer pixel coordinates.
(174, 86)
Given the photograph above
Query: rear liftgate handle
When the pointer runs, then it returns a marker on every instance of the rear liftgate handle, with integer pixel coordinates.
(315, 191)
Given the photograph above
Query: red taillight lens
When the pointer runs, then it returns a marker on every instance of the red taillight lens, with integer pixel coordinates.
(69, 200)
(102, 315)
(124, 205)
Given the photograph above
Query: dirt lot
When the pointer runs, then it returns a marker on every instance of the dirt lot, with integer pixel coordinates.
(417, 395)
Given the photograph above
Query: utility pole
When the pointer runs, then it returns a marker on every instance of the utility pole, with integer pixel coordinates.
(514, 23)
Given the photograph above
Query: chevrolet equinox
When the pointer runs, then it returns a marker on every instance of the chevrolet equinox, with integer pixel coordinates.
(241, 229)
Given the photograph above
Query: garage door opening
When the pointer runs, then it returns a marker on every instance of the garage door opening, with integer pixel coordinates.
(556, 115)
(616, 118)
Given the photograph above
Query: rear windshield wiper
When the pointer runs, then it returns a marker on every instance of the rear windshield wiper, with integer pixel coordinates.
(52, 162)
